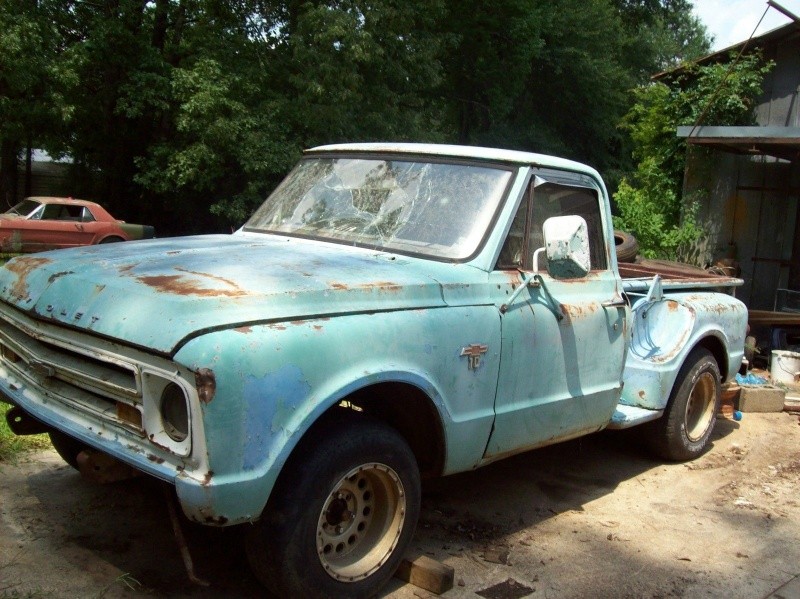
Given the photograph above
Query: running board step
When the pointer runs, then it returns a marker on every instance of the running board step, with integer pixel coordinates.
(628, 416)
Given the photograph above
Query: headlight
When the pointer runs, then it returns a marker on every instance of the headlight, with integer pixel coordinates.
(174, 413)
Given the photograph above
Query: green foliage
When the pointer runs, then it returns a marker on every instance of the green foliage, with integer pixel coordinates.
(649, 202)
(186, 113)
(11, 445)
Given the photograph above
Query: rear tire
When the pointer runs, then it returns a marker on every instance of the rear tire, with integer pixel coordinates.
(684, 431)
(342, 514)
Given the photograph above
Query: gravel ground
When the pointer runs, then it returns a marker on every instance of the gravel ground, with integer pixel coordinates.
(595, 517)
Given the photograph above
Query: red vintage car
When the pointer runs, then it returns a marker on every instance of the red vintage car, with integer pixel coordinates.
(42, 223)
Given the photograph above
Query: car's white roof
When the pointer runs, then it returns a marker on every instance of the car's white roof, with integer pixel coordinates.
(452, 151)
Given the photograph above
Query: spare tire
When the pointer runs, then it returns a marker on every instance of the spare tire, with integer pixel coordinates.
(627, 246)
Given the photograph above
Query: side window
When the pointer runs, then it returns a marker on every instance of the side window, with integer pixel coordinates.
(51, 212)
(513, 254)
(545, 199)
(86, 216)
(554, 199)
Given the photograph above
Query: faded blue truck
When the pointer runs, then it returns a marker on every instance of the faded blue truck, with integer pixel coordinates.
(391, 312)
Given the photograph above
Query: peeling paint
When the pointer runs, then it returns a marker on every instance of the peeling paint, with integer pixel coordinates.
(22, 267)
(206, 384)
(58, 275)
(181, 285)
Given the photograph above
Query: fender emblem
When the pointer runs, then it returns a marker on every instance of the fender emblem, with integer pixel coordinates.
(474, 353)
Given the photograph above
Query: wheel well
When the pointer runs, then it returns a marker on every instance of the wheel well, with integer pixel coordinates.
(408, 410)
(717, 349)
(111, 239)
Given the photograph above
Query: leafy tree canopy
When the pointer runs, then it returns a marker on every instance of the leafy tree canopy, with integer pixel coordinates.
(186, 113)
(649, 201)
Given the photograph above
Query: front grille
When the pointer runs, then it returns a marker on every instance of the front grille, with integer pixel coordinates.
(84, 378)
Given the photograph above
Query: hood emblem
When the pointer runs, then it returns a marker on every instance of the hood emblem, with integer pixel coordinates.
(474, 353)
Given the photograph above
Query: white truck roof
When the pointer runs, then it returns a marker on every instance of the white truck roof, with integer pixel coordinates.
(453, 151)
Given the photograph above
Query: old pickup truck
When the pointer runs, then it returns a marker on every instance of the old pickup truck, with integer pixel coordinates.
(391, 312)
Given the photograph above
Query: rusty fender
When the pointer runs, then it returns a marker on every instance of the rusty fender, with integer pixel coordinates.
(666, 330)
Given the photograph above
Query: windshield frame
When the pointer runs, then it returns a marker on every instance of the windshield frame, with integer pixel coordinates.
(511, 168)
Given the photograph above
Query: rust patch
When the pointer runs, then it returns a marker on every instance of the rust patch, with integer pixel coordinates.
(244, 330)
(221, 520)
(672, 306)
(207, 478)
(154, 458)
(382, 285)
(157, 444)
(317, 327)
(22, 267)
(208, 276)
(181, 285)
(641, 394)
(126, 269)
(206, 383)
(58, 275)
(173, 252)
(277, 327)
(339, 286)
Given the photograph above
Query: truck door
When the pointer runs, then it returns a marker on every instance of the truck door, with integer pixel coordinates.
(563, 342)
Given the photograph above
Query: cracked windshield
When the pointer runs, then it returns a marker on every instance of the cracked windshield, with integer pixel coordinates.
(441, 210)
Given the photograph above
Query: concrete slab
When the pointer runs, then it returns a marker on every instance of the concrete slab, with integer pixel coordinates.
(761, 398)
(791, 590)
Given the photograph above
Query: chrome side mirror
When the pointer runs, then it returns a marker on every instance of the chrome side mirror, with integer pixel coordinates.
(566, 245)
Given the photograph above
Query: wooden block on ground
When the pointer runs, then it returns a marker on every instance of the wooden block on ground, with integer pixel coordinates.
(426, 573)
(763, 398)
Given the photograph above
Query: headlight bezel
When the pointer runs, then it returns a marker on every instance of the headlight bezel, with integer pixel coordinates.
(159, 429)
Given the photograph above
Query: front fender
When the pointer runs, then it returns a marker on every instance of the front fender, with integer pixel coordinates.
(273, 381)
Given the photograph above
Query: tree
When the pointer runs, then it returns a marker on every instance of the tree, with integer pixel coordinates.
(186, 113)
(29, 103)
(649, 201)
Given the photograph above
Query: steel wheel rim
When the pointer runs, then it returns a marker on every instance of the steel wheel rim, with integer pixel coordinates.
(360, 522)
(700, 406)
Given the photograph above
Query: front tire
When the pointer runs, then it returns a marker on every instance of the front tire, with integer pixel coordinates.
(342, 513)
(67, 447)
(684, 431)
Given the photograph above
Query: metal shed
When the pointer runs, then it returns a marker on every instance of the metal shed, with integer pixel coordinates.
(747, 186)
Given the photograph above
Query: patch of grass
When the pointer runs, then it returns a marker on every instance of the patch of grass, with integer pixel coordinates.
(11, 445)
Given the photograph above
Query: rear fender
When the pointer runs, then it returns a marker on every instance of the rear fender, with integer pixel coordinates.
(665, 331)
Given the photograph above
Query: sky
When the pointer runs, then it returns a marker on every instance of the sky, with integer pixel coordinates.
(732, 21)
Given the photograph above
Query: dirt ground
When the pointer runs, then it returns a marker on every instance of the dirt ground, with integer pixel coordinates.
(595, 517)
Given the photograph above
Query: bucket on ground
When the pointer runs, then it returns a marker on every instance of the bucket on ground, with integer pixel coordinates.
(785, 367)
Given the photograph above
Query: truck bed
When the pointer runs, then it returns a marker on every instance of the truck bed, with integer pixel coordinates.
(637, 276)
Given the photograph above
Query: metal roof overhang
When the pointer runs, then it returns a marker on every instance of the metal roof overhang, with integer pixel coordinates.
(780, 142)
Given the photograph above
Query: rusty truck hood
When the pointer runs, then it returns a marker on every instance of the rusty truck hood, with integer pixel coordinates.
(155, 294)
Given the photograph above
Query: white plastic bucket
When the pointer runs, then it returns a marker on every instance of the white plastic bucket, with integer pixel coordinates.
(785, 367)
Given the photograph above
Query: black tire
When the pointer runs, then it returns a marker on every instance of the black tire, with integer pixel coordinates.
(342, 514)
(684, 431)
(111, 239)
(67, 447)
(627, 246)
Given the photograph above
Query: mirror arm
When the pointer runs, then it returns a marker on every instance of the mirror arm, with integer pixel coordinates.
(536, 260)
(533, 281)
